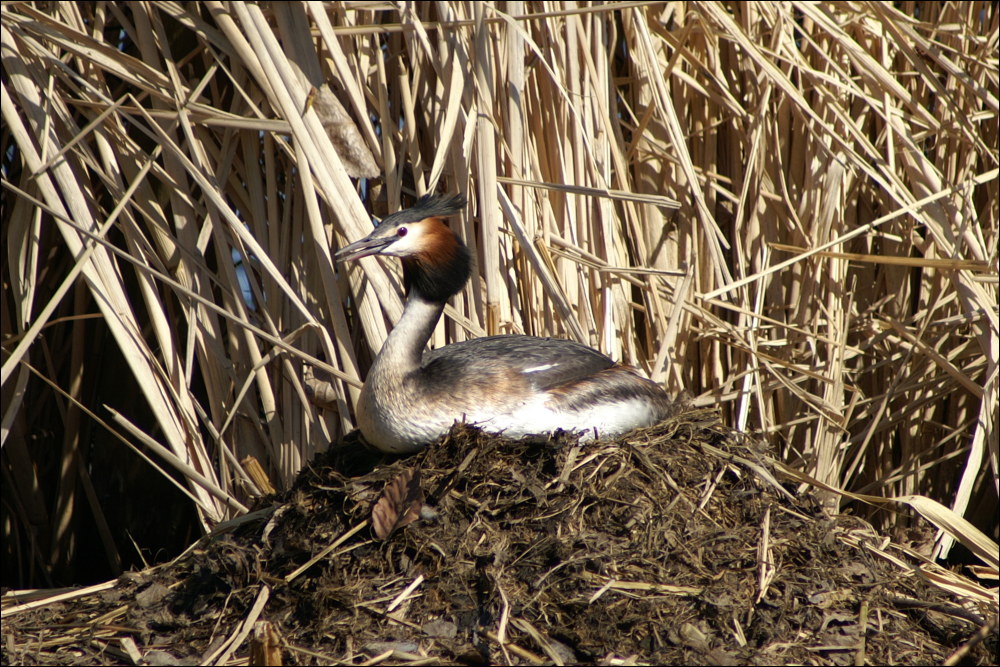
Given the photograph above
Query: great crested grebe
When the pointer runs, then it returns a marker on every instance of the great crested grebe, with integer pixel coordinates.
(514, 385)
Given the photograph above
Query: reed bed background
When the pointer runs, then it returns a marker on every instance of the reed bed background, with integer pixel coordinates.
(787, 210)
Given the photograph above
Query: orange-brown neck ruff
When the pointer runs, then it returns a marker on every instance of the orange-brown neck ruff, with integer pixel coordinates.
(441, 268)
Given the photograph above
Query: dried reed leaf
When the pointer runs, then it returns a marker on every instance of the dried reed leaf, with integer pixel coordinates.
(956, 526)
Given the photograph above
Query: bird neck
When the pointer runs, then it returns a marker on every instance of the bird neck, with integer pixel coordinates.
(404, 347)
(440, 275)
(429, 282)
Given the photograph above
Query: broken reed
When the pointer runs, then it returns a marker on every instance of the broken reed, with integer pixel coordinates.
(828, 280)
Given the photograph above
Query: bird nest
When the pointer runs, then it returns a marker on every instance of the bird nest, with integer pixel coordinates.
(671, 545)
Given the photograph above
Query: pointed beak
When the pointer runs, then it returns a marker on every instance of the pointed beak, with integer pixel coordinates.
(363, 248)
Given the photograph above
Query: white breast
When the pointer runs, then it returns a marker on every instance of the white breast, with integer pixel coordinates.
(396, 429)
(536, 416)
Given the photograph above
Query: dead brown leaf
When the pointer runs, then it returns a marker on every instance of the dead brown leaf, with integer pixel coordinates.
(399, 505)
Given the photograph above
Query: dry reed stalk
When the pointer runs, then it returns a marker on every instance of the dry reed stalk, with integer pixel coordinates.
(174, 157)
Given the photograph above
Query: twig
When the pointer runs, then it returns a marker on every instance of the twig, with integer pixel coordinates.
(322, 554)
(220, 655)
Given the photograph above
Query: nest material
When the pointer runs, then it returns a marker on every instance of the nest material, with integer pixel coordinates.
(672, 545)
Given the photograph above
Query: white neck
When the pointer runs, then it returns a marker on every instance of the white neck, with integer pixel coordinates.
(404, 347)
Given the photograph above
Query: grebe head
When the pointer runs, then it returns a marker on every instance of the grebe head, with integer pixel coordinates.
(436, 264)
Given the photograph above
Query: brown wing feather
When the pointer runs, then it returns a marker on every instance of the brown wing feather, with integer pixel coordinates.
(618, 383)
(542, 363)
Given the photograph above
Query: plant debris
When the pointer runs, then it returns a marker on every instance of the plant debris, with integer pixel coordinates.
(399, 505)
(658, 548)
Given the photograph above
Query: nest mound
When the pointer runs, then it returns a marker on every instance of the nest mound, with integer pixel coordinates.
(672, 545)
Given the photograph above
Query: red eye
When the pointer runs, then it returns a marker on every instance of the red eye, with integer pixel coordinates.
(401, 231)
